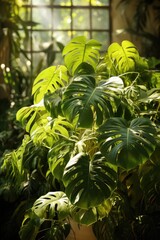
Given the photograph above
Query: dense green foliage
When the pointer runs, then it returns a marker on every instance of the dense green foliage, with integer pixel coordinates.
(91, 145)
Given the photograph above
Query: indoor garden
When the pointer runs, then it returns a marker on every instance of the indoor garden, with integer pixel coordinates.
(79, 120)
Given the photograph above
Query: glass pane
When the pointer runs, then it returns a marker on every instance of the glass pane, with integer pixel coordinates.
(58, 59)
(100, 19)
(40, 2)
(38, 59)
(62, 2)
(41, 40)
(103, 37)
(61, 18)
(100, 2)
(81, 19)
(81, 33)
(61, 36)
(81, 3)
(43, 16)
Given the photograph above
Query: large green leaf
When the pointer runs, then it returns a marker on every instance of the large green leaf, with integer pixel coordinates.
(127, 144)
(123, 57)
(51, 205)
(90, 101)
(43, 129)
(79, 50)
(32, 117)
(88, 182)
(51, 131)
(49, 80)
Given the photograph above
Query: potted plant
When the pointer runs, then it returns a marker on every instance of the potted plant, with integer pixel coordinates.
(97, 117)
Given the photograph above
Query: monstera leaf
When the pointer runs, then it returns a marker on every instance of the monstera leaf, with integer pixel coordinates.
(88, 182)
(51, 205)
(123, 57)
(49, 80)
(50, 132)
(79, 50)
(32, 117)
(85, 98)
(127, 144)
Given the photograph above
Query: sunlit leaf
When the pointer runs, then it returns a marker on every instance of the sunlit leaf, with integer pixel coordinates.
(49, 80)
(124, 57)
(32, 117)
(79, 50)
(51, 205)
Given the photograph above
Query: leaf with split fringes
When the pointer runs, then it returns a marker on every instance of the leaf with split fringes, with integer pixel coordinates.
(80, 50)
(51, 205)
(32, 117)
(90, 101)
(124, 57)
(49, 80)
(127, 144)
(50, 132)
(88, 182)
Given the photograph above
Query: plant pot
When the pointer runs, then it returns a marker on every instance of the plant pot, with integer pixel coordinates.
(80, 232)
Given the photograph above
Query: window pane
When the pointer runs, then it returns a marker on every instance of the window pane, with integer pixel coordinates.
(62, 3)
(41, 2)
(82, 2)
(43, 16)
(100, 2)
(103, 37)
(61, 18)
(60, 21)
(37, 58)
(81, 19)
(80, 33)
(41, 40)
(58, 59)
(100, 19)
(61, 36)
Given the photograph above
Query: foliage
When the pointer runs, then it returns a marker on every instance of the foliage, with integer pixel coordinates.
(92, 141)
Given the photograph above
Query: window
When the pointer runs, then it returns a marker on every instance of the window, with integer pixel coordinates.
(52, 23)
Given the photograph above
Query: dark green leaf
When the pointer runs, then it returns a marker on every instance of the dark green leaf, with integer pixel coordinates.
(127, 144)
(91, 102)
(88, 182)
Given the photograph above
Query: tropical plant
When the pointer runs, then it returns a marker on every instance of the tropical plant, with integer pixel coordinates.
(96, 121)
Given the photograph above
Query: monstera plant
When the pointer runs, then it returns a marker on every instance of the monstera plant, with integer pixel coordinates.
(97, 117)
